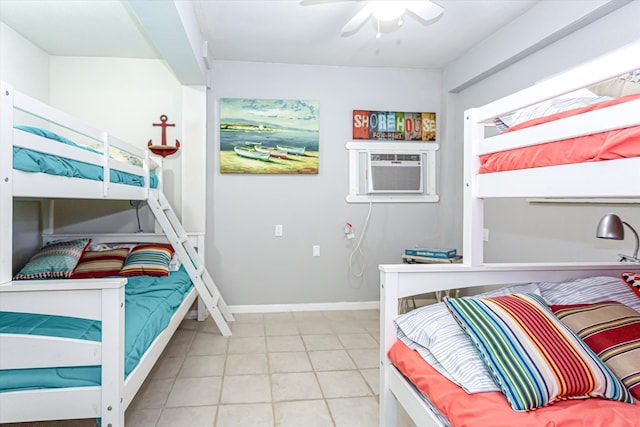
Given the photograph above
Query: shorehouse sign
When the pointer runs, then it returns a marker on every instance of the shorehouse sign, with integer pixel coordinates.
(394, 126)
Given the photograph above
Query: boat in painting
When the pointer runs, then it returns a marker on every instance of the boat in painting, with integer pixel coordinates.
(252, 144)
(273, 152)
(292, 150)
(251, 153)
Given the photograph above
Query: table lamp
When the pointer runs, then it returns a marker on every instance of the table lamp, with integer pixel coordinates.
(612, 227)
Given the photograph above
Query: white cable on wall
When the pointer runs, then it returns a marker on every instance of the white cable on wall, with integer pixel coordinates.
(358, 248)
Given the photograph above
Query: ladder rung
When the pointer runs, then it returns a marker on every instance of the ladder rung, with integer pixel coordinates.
(165, 207)
(200, 270)
(184, 239)
(215, 300)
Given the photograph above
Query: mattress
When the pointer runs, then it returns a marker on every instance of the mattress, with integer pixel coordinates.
(610, 145)
(150, 302)
(491, 408)
(34, 161)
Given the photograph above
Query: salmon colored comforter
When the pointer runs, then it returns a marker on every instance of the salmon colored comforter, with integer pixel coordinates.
(615, 144)
(492, 409)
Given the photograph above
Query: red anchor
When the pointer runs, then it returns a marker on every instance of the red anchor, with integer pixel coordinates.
(163, 150)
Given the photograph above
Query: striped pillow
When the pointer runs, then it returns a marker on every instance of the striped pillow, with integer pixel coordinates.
(54, 261)
(148, 260)
(100, 263)
(435, 335)
(612, 331)
(633, 281)
(534, 358)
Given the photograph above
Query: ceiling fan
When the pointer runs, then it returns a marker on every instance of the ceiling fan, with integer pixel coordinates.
(386, 12)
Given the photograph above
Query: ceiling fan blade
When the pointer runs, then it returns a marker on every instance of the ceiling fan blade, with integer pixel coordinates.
(425, 10)
(357, 21)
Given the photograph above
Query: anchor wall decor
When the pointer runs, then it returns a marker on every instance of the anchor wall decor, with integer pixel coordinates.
(164, 150)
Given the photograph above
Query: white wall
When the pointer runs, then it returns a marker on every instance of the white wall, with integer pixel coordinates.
(26, 66)
(126, 96)
(250, 264)
(23, 64)
(520, 231)
(123, 96)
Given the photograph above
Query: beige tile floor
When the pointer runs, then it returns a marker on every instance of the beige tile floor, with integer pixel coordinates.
(295, 369)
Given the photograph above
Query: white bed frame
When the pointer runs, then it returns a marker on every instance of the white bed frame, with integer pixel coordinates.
(99, 299)
(613, 179)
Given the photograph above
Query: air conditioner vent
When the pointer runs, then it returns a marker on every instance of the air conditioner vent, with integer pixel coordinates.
(395, 173)
(378, 157)
(409, 157)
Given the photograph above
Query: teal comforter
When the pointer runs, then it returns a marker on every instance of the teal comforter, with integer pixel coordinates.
(149, 305)
(35, 161)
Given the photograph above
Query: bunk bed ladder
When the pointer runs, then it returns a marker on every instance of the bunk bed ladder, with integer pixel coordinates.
(192, 262)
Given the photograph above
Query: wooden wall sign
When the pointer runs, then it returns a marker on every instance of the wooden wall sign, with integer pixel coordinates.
(394, 126)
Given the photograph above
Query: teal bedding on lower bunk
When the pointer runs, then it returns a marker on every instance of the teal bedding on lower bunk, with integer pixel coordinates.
(149, 305)
(34, 161)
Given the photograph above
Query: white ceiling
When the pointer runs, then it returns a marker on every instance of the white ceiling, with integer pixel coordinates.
(283, 31)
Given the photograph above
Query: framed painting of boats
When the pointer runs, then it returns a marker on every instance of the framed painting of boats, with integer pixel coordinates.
(269, 136)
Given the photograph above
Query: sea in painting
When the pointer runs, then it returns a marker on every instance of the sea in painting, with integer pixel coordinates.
(272, 136)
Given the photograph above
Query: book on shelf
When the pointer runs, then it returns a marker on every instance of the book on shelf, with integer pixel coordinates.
(414, 259)
(432, 252)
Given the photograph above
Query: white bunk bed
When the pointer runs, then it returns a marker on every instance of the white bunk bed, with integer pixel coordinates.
(96, 299)
(615, 179)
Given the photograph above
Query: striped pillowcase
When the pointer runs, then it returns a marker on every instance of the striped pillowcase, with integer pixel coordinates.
(54, 261)
(534, 358)
(100, 263)
(612, 331)
(633, 281)
(148, 260)
(435, 335)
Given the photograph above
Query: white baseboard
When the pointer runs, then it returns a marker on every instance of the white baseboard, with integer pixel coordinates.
(329, 306)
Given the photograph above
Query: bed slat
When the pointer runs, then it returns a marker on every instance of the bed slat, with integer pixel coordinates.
(30, 351)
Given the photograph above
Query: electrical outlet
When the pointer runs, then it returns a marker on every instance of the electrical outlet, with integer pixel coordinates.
(278, 230)
(485, 234)
(316, 250)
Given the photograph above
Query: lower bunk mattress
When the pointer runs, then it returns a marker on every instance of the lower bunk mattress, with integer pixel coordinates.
(150, 302)
(492, 409)
(454, 374)
(35, 161)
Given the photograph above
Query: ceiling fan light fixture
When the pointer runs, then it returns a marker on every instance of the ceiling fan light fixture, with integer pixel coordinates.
(388, 10)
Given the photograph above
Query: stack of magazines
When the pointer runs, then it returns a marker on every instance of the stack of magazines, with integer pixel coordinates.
(431, 255)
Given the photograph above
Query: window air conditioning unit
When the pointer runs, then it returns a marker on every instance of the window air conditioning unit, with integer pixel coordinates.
(395, 173)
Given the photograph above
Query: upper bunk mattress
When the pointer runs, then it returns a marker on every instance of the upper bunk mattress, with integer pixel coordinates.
(615, 144)
(34, 161)
(150, 302)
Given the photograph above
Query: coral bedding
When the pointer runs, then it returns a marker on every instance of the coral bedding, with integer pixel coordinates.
(492, 409)
(615, 144)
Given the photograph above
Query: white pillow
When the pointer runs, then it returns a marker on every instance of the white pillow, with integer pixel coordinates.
(546, 108)
(616, 87)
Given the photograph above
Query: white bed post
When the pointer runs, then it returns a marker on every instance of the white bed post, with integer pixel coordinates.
(388, 312)
(473, 216)
(6, 183)
(112, 409)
